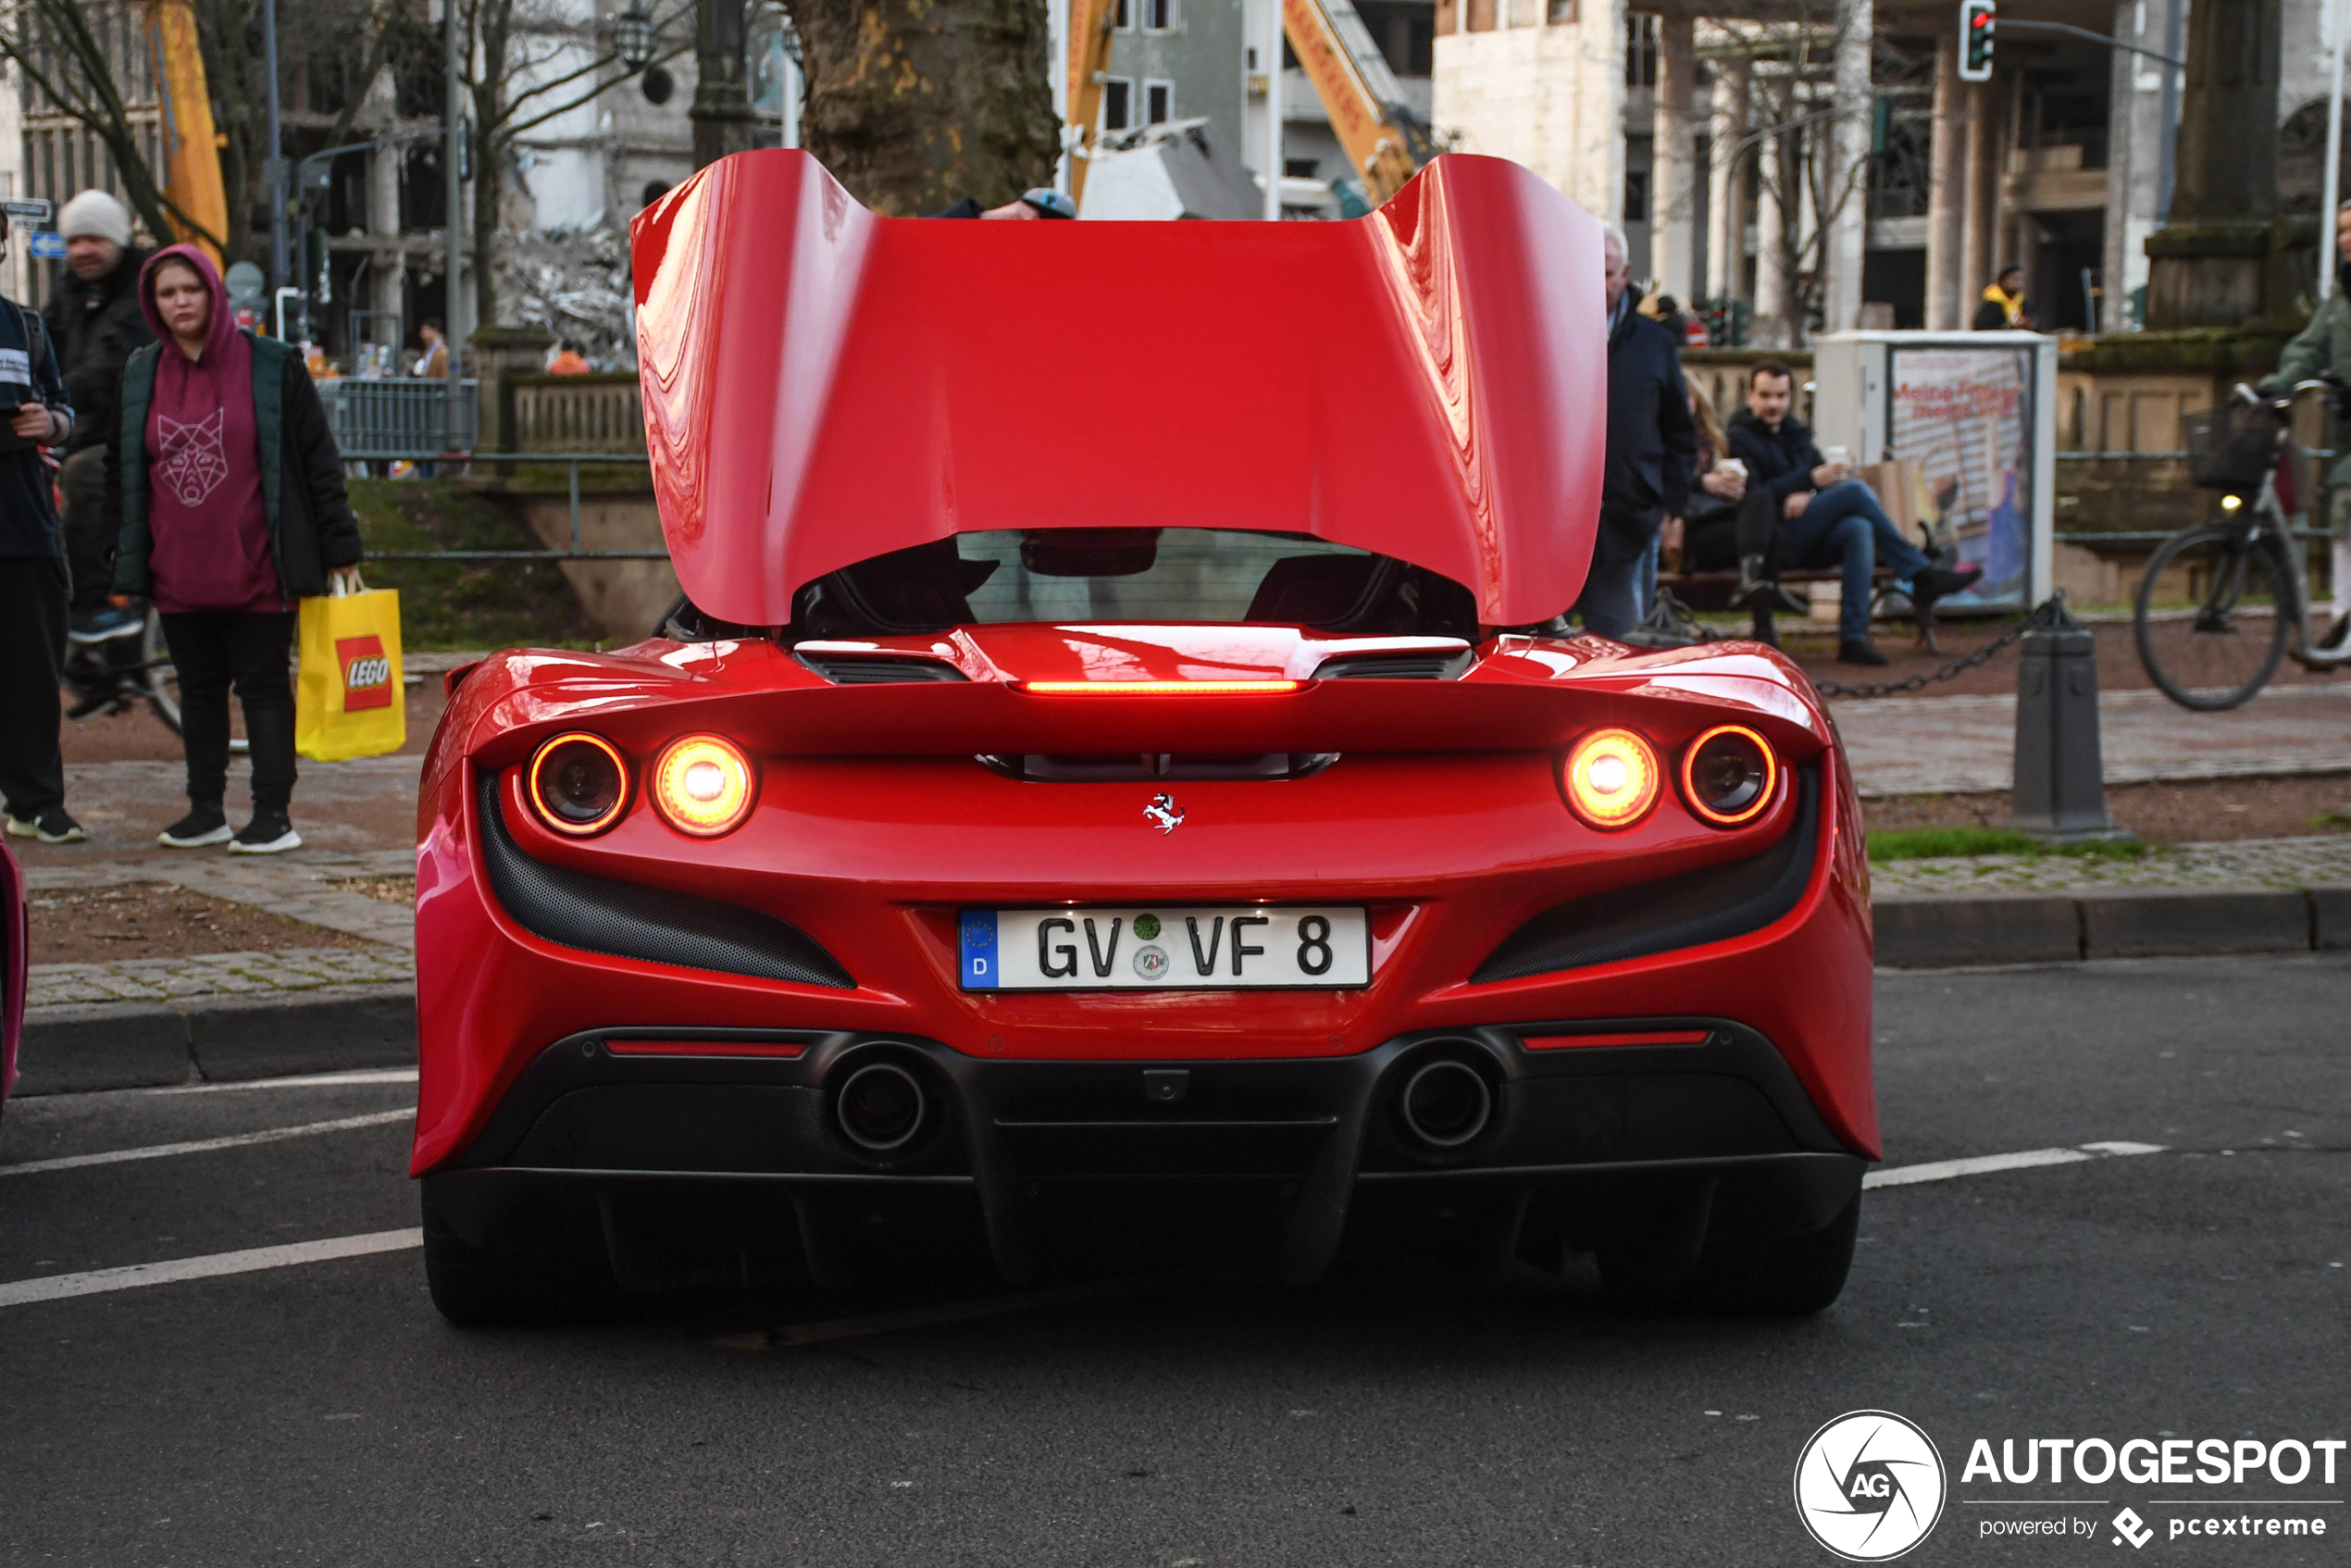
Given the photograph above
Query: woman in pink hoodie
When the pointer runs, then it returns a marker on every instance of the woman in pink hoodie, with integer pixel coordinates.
(229, 491)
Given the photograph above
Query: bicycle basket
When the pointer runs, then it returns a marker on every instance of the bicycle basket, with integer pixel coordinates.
(2229, 449)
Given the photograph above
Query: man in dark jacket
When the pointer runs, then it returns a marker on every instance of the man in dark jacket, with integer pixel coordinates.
(32, 582)
(1826, 515)
(95, 320)
(1652, 444)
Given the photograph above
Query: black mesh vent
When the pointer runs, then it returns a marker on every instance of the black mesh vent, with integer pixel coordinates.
(627, 921)
(850, 670)
(1395, 667)
(1688, 911)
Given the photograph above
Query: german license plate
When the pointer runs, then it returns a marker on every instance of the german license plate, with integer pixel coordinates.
(1247, 946)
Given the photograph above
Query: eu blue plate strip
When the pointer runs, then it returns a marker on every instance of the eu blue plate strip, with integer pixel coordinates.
(980, 949)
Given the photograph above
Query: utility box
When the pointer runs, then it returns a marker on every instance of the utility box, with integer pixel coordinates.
(1973, 418)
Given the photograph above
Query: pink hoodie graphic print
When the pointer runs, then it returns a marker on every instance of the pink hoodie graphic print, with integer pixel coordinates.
(205, 505)
(190, 459)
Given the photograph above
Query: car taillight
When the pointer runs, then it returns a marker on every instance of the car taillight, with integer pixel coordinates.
(1728, 774)
(702, 785)
(1612, 778)
(1157, 687)
(578, 784)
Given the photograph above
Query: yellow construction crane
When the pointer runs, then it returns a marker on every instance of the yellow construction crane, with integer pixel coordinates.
(1385, 138)
(191, 145)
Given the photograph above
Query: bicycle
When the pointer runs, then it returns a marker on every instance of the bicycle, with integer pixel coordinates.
(2249, 604)
(116, 663)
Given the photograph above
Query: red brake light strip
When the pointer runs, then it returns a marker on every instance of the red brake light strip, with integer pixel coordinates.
(1157, 687)
(1653, 1037)
(704, 1048)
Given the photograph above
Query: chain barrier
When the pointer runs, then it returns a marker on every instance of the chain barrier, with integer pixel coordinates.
(2050, 611)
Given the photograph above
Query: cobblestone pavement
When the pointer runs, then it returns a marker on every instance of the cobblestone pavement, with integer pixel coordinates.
(2250, 863)
(1955, 745)
(298, 888)
(218, 974)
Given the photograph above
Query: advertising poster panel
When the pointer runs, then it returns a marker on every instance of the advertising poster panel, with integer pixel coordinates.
(1965, 418)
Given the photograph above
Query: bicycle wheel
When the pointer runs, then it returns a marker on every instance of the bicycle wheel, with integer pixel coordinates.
(162, 681)
(2212, 615)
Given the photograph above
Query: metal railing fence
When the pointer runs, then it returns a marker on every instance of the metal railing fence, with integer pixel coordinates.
(377, 420)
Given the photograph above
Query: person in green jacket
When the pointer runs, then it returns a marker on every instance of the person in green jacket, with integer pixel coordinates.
(229, 491)
(2325, 344)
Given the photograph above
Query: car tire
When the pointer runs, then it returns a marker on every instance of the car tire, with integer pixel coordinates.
(474, 1288)
(1742, 1275)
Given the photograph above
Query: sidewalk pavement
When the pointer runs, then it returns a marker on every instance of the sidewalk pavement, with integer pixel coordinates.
(1961, 745)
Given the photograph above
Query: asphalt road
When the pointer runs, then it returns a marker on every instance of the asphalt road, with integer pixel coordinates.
(322, 1413)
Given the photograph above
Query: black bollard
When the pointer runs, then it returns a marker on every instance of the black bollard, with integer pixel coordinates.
(2060, 795)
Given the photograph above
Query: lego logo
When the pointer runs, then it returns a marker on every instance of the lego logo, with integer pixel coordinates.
(367, 672)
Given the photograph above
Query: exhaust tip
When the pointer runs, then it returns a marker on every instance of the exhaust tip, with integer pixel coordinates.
(1445, 1103)
(881, 1107)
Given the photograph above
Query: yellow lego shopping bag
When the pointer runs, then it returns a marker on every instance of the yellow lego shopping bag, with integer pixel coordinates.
(349, 699)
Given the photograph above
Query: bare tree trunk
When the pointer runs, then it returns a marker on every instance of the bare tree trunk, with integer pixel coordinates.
(914, 104)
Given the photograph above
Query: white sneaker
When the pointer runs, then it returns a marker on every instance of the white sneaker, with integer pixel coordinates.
(194, 831)
(269, 834)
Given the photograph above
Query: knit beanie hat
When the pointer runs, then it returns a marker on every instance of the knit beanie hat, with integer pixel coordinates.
(94, 212)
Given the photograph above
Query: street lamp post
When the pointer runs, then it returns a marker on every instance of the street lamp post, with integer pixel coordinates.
(274, 170)
(2333, 179)
(453, 255)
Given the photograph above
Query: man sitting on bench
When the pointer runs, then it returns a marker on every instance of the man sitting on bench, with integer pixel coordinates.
(1826, 516)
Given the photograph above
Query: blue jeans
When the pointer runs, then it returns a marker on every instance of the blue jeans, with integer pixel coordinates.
(1612, 603)
(1845, 525)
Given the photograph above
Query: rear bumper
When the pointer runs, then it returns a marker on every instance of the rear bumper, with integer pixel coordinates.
(657, 1161)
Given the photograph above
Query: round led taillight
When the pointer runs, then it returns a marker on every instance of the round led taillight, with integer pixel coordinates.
(702, 785)
(1728, 774)
(578, 784)
(1612, 778)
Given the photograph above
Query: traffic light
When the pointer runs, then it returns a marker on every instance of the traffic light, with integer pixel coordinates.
(1978, 19)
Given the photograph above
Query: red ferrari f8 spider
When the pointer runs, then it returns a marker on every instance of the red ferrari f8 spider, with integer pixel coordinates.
(1115, 794)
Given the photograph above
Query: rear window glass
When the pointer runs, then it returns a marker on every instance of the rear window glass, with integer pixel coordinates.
(1137, 574)
(1134, 576)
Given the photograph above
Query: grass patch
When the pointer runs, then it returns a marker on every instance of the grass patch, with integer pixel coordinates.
(464, 604)
(1938, 843)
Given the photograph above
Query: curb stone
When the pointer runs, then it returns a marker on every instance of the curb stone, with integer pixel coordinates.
(1954, 931)
(77, 1048)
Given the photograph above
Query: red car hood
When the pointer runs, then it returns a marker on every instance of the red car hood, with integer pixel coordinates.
(823, 385)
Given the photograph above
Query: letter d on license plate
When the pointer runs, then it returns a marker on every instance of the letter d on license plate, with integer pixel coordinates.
(1243, 947)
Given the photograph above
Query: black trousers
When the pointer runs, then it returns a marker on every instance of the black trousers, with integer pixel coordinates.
(32, 651)
(212, 650)
(1722, 542)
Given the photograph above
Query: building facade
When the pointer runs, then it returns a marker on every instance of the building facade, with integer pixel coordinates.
(1823, 166)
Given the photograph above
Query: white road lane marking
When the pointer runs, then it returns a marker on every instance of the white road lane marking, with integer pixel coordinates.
(1985, 1164)
(98, 1282)
(205, 1145)
(300, 1080)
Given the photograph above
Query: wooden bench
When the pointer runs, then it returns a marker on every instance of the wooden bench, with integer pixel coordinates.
(1711, 592)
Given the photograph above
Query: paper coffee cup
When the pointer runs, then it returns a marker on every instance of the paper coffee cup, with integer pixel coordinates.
(1840, 456)
(1731, 466)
